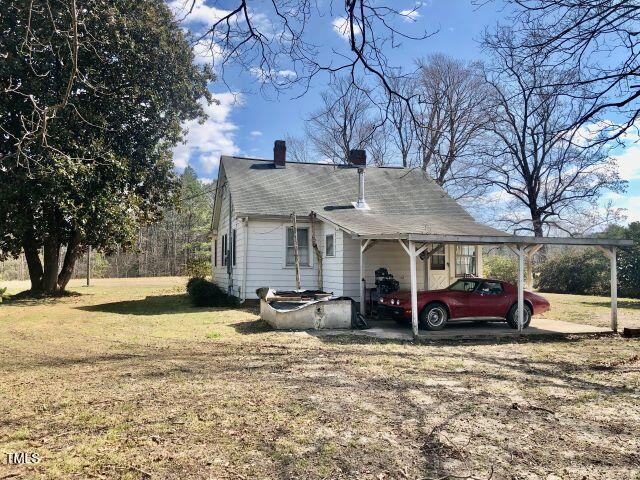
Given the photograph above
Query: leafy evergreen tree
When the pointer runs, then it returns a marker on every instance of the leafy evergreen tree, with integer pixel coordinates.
(94, 93)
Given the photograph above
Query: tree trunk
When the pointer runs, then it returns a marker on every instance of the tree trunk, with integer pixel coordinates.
(537, 225)
(73, 251)
(51, 265)
(34, 265)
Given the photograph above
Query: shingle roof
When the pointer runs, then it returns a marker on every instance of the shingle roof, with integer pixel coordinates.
(401, 200)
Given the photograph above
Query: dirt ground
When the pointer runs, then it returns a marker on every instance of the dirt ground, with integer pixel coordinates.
(127, 380)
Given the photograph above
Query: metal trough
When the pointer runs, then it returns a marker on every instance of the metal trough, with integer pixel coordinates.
(304, 310)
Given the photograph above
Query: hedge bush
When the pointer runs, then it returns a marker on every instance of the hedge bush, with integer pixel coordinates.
(584, 271)
(501, 267)
(204, 293)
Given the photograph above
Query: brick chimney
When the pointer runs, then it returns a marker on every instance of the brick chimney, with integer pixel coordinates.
(358, 158)
(280, 154)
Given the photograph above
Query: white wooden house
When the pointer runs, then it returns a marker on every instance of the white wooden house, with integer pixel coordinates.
(341, 206)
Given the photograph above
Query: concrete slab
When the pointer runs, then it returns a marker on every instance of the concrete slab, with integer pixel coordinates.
(540, 327)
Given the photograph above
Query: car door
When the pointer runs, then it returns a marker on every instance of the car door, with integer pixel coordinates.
(488, 300)
(460, 299)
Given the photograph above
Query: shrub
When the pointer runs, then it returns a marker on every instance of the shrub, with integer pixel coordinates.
(501, 267)
(575, 271)
(204, 293)
(3, 294)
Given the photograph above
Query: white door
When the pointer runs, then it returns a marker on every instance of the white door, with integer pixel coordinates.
(438, 269)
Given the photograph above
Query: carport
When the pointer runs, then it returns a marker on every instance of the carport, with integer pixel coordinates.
(417, 233)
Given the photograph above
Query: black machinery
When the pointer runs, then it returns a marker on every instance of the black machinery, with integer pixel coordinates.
(385, 284)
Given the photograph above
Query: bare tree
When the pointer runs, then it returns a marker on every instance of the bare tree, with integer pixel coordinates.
(598, 38)
(298, 149)
(275, 43)
(400, 118)
(537, 157)
(343, 123)
(380, 146)
(453, 110)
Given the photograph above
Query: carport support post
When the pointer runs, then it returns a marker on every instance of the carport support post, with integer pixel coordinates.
(362, 290)
(614, 289)
(612, 254)
(520, 251)
(414, 288)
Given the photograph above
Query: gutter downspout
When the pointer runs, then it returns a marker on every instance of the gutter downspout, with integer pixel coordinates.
(229, 257)
(244, 259)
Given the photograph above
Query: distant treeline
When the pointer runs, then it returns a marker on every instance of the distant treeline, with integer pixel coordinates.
(177, 245)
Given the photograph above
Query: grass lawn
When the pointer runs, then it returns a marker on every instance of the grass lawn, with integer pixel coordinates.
(127, 380)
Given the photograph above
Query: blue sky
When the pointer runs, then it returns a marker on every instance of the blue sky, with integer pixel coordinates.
(248, 120)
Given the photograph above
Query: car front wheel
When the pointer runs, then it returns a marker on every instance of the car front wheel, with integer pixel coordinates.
(434, 316)
(512, 317)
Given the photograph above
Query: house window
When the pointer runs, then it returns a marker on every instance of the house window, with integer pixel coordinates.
(465, 260)
(329, 245)
(303, 247)
(215, 253)
(438, 259)
(223, 251)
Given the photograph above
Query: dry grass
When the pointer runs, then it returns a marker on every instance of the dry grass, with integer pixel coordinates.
(128, 381)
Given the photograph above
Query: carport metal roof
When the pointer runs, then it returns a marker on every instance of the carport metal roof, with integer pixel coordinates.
(443, 229)
(416, 232)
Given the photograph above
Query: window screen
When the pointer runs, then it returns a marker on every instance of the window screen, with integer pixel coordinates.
(465, 260)
(438, 259)
(303, 246)
(329, 245)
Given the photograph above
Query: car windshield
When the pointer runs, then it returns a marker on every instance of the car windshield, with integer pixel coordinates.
(464, 285)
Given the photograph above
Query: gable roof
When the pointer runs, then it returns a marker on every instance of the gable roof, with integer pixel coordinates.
(401, 200)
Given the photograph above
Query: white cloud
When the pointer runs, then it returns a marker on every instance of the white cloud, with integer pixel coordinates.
(629, 163)
(342, 27)
(207, 181)
(196, 11)
(255, 133)
(276, 76)
(204, 143)
(207, 52)
(633, 209)
(410, 15)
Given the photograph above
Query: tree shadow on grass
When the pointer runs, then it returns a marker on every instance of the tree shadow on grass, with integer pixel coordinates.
(152, 305)
(621, 304)
(249, 328)
(28, 298)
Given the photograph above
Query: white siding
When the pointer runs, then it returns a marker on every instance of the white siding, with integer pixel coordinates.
(332, 266)
(220, 273)
(266, 259)
(350, 267)
(341, 273)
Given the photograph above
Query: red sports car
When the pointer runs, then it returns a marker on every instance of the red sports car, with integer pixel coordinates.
(464, 300)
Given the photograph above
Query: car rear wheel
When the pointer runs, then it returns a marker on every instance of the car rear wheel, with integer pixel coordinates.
(512, 317)
(434, 316)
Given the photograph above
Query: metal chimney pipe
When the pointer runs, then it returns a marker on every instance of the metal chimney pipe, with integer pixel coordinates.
(361, 203)
(358, 158)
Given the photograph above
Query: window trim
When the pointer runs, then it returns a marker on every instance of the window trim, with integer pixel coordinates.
(284, 257)
(459, 255)
(223, 251)
(333, 245)
(444, 259)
